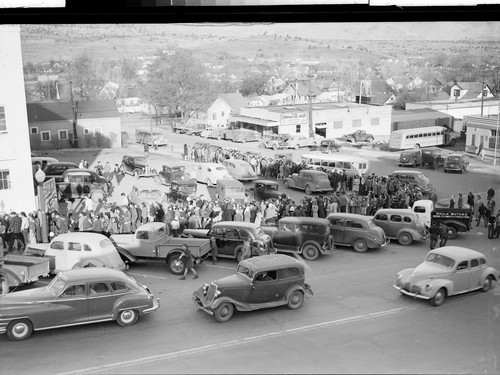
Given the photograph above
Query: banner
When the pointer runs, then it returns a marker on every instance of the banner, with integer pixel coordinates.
(50, 195)
(297, 118)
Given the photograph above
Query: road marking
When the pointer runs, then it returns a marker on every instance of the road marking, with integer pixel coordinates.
(246, 340)
(146, 276)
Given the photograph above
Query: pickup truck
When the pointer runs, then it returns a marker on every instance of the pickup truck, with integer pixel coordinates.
(456, 219)
(23, 269)
(150, 241)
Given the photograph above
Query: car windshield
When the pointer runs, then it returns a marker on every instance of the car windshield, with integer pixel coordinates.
(57, 285)
(272, 187)
(242, 270)
(440, 259)
(150, 193)
(453, 158)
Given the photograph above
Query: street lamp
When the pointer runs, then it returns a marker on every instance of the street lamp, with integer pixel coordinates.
(40, 178)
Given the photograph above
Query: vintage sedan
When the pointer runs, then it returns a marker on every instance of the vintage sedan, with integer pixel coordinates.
(265, 189)
(307, 236)
(261, 282)
(411, 158)
(297, 141)
(328, 146)
(400, 224)
(145, 193)
(432, 158)
(309, 180)
(182, 189)
(231, 235)
(210, 173)
(244, 136)
(240, 169)
(76, 297)
(56, 170)
(78, 183)
(455, 163)
(169, 173)
(137, 166)
(445, 272)
(357, 231)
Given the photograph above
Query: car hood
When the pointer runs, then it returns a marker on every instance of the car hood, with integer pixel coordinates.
(230, 282)
(427, 270)
(27, 296)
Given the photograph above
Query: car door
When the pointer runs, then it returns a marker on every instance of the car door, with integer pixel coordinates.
(337, 228)
(476, 273)
(231, 241)
(71, 306)
(218, 233)
(382, 220)
(144, 244)
(264, 287)
(461, 277)
(395, 223)
(101, 300)
(285, 237)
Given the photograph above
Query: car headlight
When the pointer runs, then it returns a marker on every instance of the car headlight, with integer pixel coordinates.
(428, 287)
(217, 293)
(399, 275)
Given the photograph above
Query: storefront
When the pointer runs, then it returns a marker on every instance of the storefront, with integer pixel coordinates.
(482, 132)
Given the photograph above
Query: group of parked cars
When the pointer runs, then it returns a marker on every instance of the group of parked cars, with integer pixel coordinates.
(434, 158)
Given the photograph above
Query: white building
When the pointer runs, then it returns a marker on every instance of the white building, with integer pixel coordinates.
(221, 109)
(16, 178)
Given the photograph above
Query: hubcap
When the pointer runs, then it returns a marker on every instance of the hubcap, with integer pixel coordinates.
(20, 329)
(127, 316)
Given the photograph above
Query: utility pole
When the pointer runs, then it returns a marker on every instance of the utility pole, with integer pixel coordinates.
(359, 78)
(311, 126)
(74, 107)
(482, 96)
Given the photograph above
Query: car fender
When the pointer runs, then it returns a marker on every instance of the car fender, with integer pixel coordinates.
(310, 242)
(128, 302)
(291, 182)
(240, 306)
(435, 285)
(459, 225)
(294, 288)
(490, 271)
(126, 255)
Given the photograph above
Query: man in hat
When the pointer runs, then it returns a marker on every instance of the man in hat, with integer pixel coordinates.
(14, 230)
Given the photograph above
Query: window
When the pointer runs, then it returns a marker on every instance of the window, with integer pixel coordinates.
(474, 263)
(381, 217)
(288, 273)
(86, 131)
(63, 134)
(97, 288)
(4, 179)
(46, 136)
(297, 128)
(86, 247)
(407, 219)
(33, 130)
(375, 121)
(75, 246)
(57, 245)
(337, 124)
(97, 132)
(117, 286)
(142, 235)
(214, 116)
(231, 233)
(463, 265)
(3, 122)
(456, 92)
(396, 218)
(244, 234)
(74, 290)
(482, 261)
(222, 114)
(356, 123)
(266, 276)
(336, 221)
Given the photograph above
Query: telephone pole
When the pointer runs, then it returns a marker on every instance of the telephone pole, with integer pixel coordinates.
(74, 108)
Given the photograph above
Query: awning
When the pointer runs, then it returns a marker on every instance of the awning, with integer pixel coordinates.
(254, 121)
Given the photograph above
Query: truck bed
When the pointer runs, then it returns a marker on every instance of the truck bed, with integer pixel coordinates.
(199, 247)
(27, 268)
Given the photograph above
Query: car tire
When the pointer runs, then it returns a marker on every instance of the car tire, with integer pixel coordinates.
(487, 284)
(19, 330)
(435, 165)
(127, 318)
(136, 175)
(405, 239)
(295, 300)
(97, 196)
(175, 265)
(360, 245)
(308, 190)
(438, 298)
(286, 185)
(224, 312)
(452, 233)
(310, 251)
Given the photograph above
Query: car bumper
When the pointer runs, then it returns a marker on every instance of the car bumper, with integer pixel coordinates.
(156, 306)
(406, 163)
(411, 294)
(198, 304)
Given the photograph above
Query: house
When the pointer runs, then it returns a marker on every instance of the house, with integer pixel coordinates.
(404, 83)
(299, 91)
(226, 104)
(373, 91)
(128, 105)
(468, 90)
(16, 176)
(98, 124)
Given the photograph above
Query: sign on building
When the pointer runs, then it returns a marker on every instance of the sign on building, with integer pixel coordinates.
(297, 118)
(50, 195)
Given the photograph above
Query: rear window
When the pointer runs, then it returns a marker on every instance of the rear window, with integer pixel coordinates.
(105, 243)
(288, 273)
(74, 246)
(57, 245)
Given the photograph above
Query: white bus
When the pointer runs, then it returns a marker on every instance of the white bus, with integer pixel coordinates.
(416, 138)
(340, 162)
(146, 135)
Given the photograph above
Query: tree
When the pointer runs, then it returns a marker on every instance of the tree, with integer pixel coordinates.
(405, 96)
(87, 83)
(254, 83)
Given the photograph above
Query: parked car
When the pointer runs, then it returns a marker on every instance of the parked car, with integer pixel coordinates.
(400, 224)
(77, 183)
(218, 133)
(194, 131)
(412, 158)
(240, 169)
(302, 235)
(327, 146)
(432, 158)
(447, 271)
(414, 178)
(358, 136)
(42, 161)
(357, 231)
(76, 297)
(274, 141)
(137, 166)
(261, 282)
(230, 236)
(182, 189)
(206, 132)
(297, 141)
(456, 163)
(309, 180)
(56, 170)
(265, 189)
(145, 193)
(210, 173)
(246, 135)
(169, 173)
(232, 190)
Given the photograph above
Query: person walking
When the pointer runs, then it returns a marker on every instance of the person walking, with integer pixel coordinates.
(460, 202)
(481, 214)
(492, 224)
(214, 249)
(452, 201)
(188, 262)
(443, 235)
(14, 230)
(434, 232)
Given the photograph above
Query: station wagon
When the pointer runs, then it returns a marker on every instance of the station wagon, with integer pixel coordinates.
(261, 282)
(357, 231)
(400, 224)
(447, 271)
(309, 180)
(302, 235)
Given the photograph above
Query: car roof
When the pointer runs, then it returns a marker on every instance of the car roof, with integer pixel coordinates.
(152, 226)
(79, 170)
(62, 163)
(48, 159)
(80, 236)
(94, 273)
(236, 224)
(406, 171)
(268, 262)
(346, 215)
(457, 252)
(303, 220)
(134, 156)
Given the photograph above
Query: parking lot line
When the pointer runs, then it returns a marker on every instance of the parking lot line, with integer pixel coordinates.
(245, 340)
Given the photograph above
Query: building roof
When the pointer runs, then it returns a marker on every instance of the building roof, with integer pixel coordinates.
(418, 114)
(234, 100)
(380, 98)
(62, 111)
